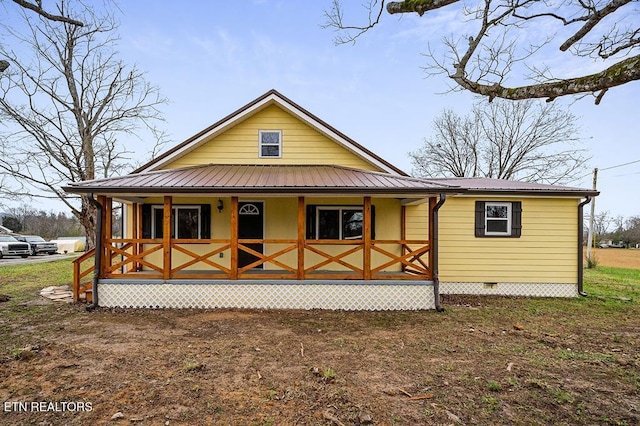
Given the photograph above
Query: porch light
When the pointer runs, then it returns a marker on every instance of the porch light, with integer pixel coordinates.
(220, 205)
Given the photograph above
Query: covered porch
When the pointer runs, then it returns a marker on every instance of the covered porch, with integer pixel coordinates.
(370, 258)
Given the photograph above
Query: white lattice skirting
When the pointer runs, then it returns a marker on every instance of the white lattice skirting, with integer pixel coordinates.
(511, 289)
(347, 296)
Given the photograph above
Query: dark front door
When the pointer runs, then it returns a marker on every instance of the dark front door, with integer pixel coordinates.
(250, 226)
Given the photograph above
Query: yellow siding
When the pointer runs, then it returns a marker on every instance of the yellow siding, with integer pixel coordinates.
(545, 253)
(417, 222)
(301, 144)
(128, 218)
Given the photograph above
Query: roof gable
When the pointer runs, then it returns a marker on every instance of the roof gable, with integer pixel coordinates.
(258, 105)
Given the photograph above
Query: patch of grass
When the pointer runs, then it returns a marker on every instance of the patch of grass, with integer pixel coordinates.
(562, 397)
(329, 374)
(613, 283)
(192, 366)
(23, 282)
(568, 354)
(494, 386)
(492, 404)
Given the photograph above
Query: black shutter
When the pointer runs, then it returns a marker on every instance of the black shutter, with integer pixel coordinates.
(516, 219)
(205, 221)
(480, 212)
(311, 222)
(373, 222)
(146, 221)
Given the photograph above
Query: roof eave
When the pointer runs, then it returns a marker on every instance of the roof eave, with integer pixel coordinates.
(530, 192)
(253, 190)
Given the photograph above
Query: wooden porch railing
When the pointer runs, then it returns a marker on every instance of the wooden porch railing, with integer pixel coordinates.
(322, 259)
(83, 266)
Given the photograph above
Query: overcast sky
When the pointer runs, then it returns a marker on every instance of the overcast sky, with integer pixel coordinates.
(211, 57)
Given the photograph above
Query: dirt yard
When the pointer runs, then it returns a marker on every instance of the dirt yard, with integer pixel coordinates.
(484, 361)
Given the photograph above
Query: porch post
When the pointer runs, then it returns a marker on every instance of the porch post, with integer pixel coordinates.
(135, 234)
(403, 234)
(301, 237)
(366, 231)
(234, 238)
(101, 245)
(432, 206)
(107, 220)
(166, 237)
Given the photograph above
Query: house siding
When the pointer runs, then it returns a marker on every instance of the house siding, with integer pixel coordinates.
(545, 253)
(301, 144)
(417, 222)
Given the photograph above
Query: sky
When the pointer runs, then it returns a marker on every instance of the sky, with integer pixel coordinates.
(211, 58)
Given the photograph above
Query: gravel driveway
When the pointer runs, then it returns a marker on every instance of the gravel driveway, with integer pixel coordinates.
(16, 260)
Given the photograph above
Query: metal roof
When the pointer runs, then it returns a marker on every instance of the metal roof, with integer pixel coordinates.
(305, 179)
(488, 185)
(285, 179)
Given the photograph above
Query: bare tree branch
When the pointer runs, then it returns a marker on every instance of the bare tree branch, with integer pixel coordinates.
(334, 19)
(417, 6)
(37, 8)
(490, 61)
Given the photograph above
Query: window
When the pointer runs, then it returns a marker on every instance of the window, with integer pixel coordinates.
(498, 219)
(186, 226)
(270, 143)
(337, 222)
(187, 221)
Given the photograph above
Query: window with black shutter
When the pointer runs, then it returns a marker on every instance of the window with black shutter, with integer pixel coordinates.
(187, 221)
(498, 219)
(337, 222)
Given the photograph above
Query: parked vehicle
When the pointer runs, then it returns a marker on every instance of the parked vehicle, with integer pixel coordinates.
(9, 246)
(37, 244)
(612, 245)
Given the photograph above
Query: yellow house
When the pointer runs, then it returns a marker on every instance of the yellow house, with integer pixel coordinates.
(271, 207)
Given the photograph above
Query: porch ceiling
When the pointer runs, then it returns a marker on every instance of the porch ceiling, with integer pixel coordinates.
(251, 179)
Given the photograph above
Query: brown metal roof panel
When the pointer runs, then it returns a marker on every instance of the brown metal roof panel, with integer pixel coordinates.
(324, 176)
(174, 180)
(216, 177)
(346, 178)
(199, 176)
(254, 177)
(228, 176)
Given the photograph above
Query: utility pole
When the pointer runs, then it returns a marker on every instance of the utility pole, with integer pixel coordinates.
(593, 212)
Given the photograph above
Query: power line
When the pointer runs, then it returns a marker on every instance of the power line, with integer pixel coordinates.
(620, 165)
(609, 168)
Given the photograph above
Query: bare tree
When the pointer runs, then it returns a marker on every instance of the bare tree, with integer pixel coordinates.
(524, 140)
(499, 53)
(37, 8)
(69, 109)
(631, 233)
(601, 223)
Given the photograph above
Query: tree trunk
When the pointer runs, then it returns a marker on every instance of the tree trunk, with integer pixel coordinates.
(87, 218)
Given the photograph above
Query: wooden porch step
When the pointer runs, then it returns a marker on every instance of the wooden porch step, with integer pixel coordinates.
(86, 296)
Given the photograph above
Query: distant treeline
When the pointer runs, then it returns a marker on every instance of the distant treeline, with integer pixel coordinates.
(28, 220)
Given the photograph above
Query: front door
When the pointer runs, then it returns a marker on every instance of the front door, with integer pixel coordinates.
(250, 226)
